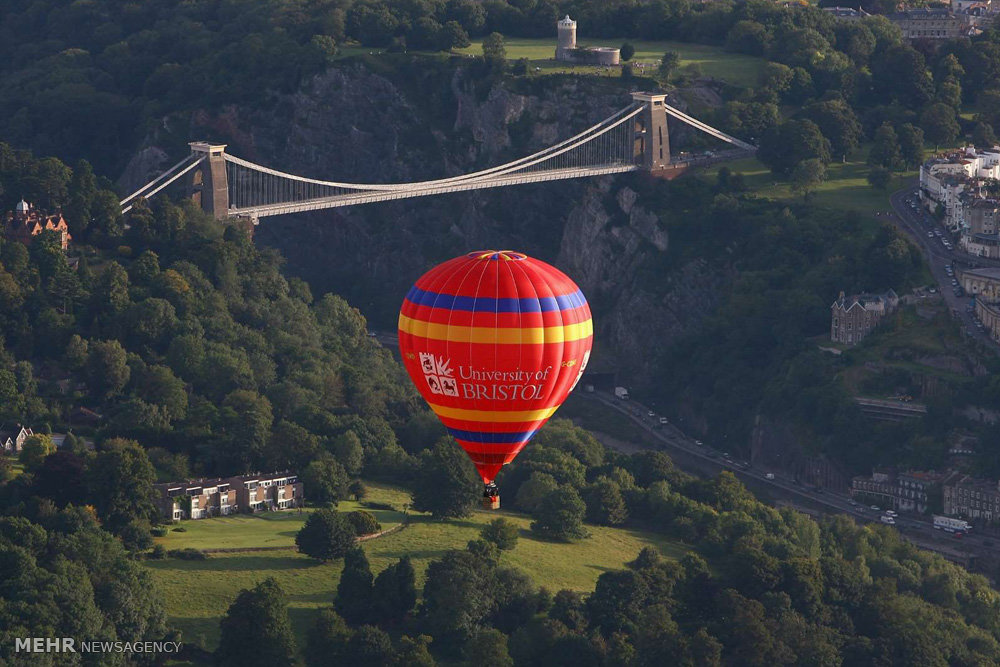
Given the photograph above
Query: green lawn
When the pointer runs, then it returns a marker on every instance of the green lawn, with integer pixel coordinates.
(846, 185)
(199, 592)
(734, 68)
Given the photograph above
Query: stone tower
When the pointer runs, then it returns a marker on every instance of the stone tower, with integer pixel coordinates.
(208, 182)
(652, 141)
(566, 30)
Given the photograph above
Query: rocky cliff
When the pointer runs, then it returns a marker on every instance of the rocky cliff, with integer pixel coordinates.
(361, 123)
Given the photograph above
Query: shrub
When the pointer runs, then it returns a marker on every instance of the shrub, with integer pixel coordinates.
(187, 554)
(500, 532)
(364, 522)
(158, 531)
(159, 552)
(180, 529)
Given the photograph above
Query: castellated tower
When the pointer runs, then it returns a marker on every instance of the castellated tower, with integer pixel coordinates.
(567, 38)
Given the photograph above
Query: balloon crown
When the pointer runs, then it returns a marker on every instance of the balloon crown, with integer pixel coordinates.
(508, 255)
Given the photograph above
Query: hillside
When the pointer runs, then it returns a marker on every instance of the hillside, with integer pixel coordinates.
(197, 593)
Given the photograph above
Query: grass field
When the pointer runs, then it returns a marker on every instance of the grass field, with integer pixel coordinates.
(199, 592)
(846, 185)
(734, 68)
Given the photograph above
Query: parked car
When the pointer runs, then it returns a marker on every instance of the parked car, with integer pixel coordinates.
(769, 475)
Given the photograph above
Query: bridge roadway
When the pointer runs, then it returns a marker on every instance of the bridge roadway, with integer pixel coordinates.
(403, 192)
(705, 460)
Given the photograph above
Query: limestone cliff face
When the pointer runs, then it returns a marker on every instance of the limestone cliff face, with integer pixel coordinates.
(355, 125)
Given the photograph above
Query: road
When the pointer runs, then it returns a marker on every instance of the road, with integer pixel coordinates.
(917, 224)
(918, 530)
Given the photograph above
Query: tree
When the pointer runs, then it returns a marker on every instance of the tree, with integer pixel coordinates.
(446, 483)
(885, 149)
(354, 591)
(326, 480)
(838, 123)
(368, 647)
(605, 504)
(413, 652)
(326, 535)
(107, 370)
(364, 522)
(248, 418)
(494, 48)
(879, 177)
(531, 493)
(326, 640)
(911, 145)
(6, 470)
(807, 176)
(940, 125)
(500, 532)
(784, 146)
(348, 450)
(487, 647)
(395, 593)
(668, 63)
(35, 450)
(256, 628)
(357, 490)
(560, 515)
(120, 484)
(454, 36)
(627, 51)
(983, 136)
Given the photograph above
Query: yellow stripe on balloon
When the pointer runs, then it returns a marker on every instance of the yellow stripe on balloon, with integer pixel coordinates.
(445, 412)
(502, 336)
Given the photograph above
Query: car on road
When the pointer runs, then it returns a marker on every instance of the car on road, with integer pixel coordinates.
(937, 232)
(663, 421)
(699, 443)
(651, 414)
(769, 475)
(886, 519)
(726, 455)
(930, 234)
(932, 290)
(875, 508)
(890, 513)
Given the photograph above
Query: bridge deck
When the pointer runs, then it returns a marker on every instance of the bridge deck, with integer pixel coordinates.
(377, 196)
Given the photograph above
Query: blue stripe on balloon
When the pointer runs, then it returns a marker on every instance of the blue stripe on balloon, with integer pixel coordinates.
(491, 438)
(543, 304)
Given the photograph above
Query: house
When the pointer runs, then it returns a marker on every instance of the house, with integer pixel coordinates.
(203, 498)
(846, 13)
(24, 223)
(852, 318)
(274, 491)
(972, 498)
(931, 23)
(12, 438)
(909, 491)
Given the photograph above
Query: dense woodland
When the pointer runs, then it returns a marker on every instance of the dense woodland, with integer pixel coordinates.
(204, 359)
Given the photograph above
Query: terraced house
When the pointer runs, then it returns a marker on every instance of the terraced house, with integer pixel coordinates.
(200, 499)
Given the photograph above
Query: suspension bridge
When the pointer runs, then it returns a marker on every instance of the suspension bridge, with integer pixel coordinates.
(635, 138)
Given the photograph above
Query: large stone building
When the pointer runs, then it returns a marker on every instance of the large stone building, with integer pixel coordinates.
(934, 24)
(568, 51)
(24, 223)
(910, 491)
(972, 498)
(200, 499)
(852, 318)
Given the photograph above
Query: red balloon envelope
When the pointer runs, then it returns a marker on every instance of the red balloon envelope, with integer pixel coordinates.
(494, 341)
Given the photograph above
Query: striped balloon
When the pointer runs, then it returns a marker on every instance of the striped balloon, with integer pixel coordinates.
(494, 341)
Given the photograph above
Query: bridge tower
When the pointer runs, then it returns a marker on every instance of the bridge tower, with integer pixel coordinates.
(652, 142)
(209, 185)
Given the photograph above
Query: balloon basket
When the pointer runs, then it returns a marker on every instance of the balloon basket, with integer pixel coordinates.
(491, 502)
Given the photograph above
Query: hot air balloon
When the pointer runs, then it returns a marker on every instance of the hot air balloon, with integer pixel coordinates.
(495, 341)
